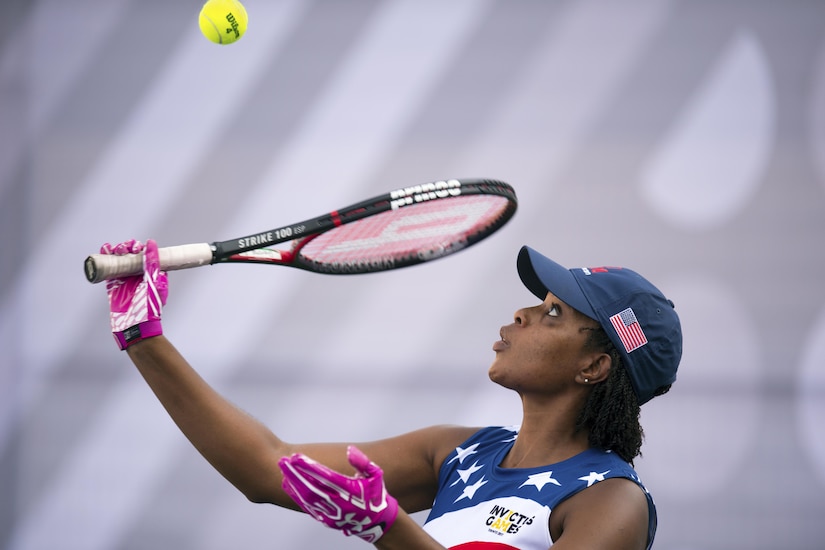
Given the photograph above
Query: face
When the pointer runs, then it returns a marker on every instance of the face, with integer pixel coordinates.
(542, 350)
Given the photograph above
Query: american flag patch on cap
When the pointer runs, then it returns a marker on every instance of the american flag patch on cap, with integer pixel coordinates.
(630, 332)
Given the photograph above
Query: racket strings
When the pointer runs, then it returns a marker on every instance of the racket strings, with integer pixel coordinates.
(414, 233)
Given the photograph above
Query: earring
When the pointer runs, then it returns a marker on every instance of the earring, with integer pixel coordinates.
(586, 380)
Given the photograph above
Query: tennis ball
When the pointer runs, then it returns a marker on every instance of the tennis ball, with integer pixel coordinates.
(223, 21)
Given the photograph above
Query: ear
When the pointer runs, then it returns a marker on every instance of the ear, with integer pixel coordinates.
(596, 371)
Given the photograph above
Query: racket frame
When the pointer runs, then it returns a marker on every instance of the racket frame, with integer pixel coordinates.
(255, 247)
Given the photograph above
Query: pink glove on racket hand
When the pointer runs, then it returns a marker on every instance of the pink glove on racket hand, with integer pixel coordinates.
(135, 303)
(358, 505)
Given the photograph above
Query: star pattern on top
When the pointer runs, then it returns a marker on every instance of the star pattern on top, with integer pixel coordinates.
(464, 475)
(461, 454)
(511, 438)
(540, 480)
(513, 433)
(593, 477)
(470, 490)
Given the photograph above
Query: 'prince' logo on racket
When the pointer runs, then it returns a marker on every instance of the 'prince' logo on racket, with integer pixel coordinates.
(424, 192)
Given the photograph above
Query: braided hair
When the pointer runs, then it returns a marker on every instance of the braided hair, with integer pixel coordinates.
(611, 413)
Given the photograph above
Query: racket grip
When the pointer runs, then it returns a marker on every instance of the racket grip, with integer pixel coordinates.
(102, 267)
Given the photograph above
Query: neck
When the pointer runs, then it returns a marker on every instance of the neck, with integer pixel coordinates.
(547, 435)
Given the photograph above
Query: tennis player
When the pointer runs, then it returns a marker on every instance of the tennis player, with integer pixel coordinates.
(599, 343)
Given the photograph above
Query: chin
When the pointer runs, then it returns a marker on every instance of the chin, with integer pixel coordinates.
(497, 376)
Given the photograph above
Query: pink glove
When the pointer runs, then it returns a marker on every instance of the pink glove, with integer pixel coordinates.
(135, 302)
(357, 505)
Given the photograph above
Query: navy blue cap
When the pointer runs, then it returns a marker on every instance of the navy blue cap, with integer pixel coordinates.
(640, 321)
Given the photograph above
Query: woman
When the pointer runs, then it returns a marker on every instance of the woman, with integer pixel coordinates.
(601, 342)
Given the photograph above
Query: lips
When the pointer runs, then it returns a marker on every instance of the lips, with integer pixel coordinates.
(503, 343)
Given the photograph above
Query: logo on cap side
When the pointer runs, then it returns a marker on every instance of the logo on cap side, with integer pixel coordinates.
(629, 330)
(603, 269)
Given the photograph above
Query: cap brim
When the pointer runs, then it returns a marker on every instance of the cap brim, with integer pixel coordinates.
(542, 275)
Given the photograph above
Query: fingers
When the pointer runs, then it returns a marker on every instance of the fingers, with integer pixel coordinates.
(151, 260)
(356, 505)
(320, 476)
(156, 280)
(306, 495)
(131, 246)
(362, 464)
(301, 484)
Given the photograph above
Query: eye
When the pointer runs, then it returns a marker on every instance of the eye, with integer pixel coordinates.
(553, 311)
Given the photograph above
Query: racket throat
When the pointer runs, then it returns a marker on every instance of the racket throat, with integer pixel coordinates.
(263, 255)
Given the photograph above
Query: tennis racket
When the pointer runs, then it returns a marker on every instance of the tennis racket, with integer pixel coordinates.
(402, 228)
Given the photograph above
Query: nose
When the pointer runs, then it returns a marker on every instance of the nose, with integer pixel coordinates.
(520, 316)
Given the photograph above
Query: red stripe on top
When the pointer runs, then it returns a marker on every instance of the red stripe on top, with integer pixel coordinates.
(483, 545)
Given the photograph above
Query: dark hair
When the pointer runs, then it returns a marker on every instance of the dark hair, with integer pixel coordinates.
(611, 413)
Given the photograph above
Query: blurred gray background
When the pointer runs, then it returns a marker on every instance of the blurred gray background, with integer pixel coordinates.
(684, 139)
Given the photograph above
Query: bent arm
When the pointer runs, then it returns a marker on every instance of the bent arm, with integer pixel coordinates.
(246, 452)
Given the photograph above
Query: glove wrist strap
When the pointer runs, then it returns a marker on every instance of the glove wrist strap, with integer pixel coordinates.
(136, 333)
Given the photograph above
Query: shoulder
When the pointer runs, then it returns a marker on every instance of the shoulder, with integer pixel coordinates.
(425, 447)
(411, 461)
(613, 513)
(429, 445)
(446, 439)
(460, 443)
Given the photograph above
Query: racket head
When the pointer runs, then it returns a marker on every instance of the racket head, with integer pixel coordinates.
(421, 225)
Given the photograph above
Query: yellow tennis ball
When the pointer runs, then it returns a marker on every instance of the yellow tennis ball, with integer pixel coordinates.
(223, 21)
